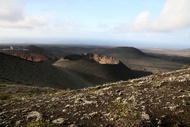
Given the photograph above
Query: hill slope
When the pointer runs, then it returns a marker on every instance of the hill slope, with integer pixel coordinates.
(93, 64)
(16, 70)
(127, 52)
(157, 100)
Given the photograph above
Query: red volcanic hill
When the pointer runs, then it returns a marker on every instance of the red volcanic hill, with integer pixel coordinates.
(96, 65)
(94, 58)
(31, 57)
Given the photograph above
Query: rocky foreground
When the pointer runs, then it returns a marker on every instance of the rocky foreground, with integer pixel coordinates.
(160, 100)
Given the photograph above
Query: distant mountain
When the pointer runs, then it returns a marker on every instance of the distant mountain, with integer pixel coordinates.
(100, 66)
(127, 52)
(138, 60)
(168, 52)
(35, 49)
(17, 70)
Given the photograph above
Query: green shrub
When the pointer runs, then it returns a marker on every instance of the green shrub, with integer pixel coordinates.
(123, 113)
(155, 72)
(185, 67)
(2, 85)
(41, 123)
(4, 96)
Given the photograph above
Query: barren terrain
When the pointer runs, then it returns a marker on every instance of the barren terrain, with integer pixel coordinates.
(157, 100)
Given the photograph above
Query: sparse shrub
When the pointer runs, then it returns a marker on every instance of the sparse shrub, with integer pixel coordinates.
(2, 85)
(4, 96)
(123, 114)
(41, 123)
(155, 73)
(185, 67)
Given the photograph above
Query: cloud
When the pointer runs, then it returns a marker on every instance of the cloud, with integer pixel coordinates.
(13, 15)
(173, 16)
(102, 26)
(29, 22)
(141, 21)
(10, 10)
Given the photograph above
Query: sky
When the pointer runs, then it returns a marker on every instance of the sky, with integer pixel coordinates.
(147, 23)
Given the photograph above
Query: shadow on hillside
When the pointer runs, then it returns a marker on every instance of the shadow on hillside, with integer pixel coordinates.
(140, 73)
(9, 81)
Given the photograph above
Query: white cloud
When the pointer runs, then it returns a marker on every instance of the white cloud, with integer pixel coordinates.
(10, 10)
(102, 25)
(29, 22)
(173, 16)
(13, 15)
(141, 21)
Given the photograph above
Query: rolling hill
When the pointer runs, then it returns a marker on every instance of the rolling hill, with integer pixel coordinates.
(127, 52)
(17, 70)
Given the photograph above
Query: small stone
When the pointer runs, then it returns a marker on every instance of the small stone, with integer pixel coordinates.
(90, 102)
(159, 122)
(67, 106)
(2, 113)
(55, 99)
(17, 124)
(145, 116)
(163, 116)
(4, 105)
(34, 114)
(184, 102)
(64, 110)
(76, 114)
(181, 90)
(72, 125)
(98, 87)
(79, 100)
(118, 99)
(173, 107)
(118, 90)
(58, 121)
(25, 110)
(120, 93)
(181, 111)
(93, 114)
(143, 107)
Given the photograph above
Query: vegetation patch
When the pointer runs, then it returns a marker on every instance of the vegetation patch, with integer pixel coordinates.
(40, 123)
(4, 96)
(185, 67)
(123, 114)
